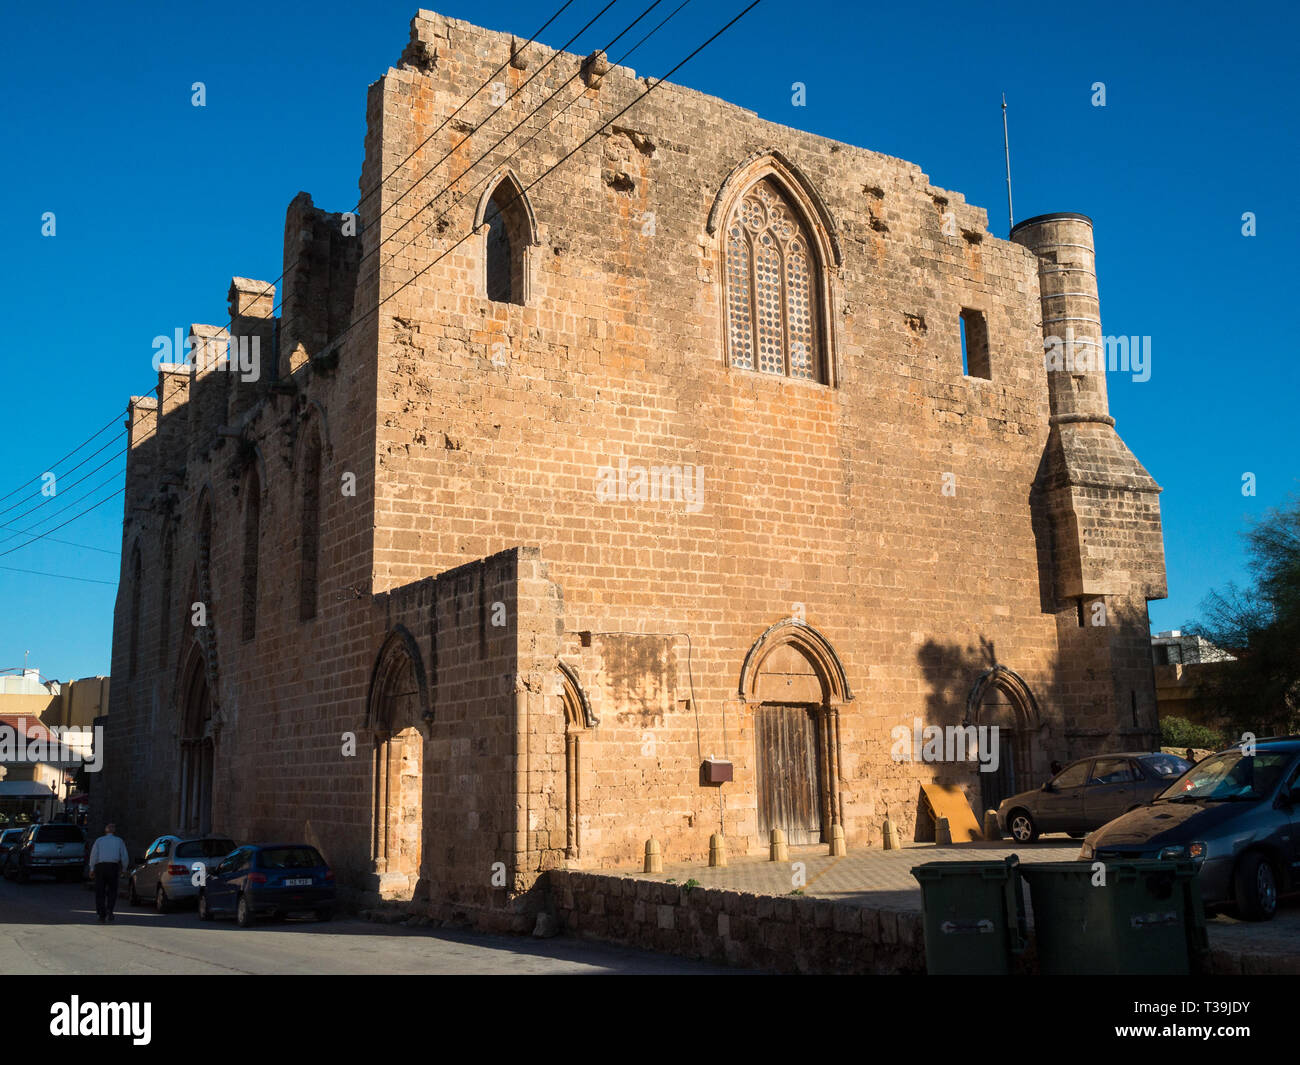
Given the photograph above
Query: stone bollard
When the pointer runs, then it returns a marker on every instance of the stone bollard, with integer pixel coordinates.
(991, 830)
(838, 849)
(718, 850)
(654, 861)
(942, 832)
(778, 851)
(892, 842)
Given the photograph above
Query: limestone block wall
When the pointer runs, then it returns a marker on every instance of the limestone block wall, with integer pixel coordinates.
(498, 421)
(455, 453)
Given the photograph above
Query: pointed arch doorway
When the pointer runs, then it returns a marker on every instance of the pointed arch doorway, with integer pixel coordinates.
(1000, 698)
(578, 722)
(794, 684)
(396, 724)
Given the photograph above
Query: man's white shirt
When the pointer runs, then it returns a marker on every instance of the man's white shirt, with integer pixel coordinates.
(109, 849)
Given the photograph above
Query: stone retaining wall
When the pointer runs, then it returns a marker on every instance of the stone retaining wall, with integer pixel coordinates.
(789, 933)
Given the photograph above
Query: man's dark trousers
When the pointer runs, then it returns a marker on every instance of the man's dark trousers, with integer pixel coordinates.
(105, 888)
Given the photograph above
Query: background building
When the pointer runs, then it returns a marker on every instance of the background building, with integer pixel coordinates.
(30, 706)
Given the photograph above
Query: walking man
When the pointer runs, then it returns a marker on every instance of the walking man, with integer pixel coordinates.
(108, 857)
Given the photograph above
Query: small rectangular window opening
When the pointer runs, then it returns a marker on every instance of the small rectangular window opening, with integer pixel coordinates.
(1079, 604)
(974, 345)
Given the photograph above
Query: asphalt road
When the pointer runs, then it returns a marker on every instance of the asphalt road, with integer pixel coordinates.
(48, 928)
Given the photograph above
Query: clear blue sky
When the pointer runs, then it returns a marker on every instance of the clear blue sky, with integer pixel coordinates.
(158, 203)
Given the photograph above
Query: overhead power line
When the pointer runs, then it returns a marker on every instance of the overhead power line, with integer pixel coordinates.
(517, 193)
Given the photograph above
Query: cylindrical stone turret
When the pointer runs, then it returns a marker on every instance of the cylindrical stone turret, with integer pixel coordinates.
(1074, 352)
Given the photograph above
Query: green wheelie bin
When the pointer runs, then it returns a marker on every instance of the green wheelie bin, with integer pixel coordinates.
(974, 916)
(1141, 916)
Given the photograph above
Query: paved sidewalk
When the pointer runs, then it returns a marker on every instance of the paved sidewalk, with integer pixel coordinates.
(871, 876)
(883, 879)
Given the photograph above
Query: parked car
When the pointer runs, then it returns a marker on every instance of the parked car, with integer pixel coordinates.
(8, 840)
(276, 880)
(1088, 793)
(1236, 814)
(165, 874)
(59, 851)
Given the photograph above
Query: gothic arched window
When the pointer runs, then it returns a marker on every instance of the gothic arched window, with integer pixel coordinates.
(165, 603)
(252, 529)
(133, 646)
(771, 287)
(509, 231)
(310, 529)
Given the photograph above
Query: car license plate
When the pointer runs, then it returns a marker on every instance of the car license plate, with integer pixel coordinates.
(298, 883)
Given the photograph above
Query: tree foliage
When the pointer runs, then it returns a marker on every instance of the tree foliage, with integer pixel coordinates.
(1260, 625)
(1181, 733)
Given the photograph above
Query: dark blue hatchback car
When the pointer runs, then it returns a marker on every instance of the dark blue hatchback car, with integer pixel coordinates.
(269, 880)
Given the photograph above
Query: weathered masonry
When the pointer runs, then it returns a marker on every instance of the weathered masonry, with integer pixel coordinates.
(717, 441)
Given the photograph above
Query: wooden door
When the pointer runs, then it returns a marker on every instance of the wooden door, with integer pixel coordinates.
(789, 780)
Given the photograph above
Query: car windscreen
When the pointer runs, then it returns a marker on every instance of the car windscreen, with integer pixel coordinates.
(60, 834)
(205, 848)
(1231, 776)
(1168, 766)
(11, 835)
(290, 858)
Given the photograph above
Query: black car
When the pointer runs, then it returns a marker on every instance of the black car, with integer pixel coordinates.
(9, 838)
(272, 880)
(1236, 815)
(1088, 793)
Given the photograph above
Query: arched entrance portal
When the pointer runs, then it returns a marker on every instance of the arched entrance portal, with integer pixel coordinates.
(794, 685)
(578, 718)
(197, 751)
(1000, 698)
(396, 720)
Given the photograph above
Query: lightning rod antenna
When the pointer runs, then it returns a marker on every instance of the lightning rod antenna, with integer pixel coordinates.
(1006, 147)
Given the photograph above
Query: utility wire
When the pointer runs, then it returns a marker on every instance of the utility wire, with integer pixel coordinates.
(550, 170)
(74, 517)
(518, 195)
(452, 151)
(41, 491)
(535, 110)
(60, 576)
(460, 198)
(376, 187)
(65, 457)
(380, 184)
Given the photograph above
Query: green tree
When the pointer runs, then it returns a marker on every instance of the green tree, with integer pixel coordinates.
(1260, 625)
(1181, 733)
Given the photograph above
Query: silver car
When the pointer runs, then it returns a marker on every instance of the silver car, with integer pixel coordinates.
(55, 849)
(173, 868)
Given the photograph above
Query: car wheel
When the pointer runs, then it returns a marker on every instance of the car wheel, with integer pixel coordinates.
(160, 903)
(325, 915)
(244, 913)
(1256, 888)
(204, 913)
(131, 895)
(1023, 829)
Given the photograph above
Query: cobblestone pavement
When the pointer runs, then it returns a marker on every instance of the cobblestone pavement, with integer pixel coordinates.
(884, 879)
